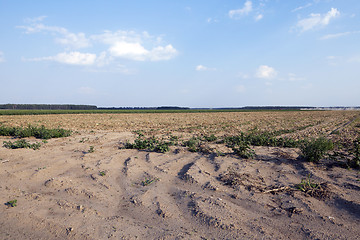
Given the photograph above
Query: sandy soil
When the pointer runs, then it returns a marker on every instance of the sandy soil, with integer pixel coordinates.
(63, 191)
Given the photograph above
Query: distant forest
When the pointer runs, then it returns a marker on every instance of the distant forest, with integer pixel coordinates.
(93, 107)
(47, 107)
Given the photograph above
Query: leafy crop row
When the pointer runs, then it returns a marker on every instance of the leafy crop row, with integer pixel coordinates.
(312, 150)
(32, 131)
(22, 143)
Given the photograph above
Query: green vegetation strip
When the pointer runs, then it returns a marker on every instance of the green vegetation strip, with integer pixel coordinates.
(104, 111)
(22, 143)
(33, 131)
(312, 150)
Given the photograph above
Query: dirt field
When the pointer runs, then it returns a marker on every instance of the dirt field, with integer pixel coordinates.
(66, 191)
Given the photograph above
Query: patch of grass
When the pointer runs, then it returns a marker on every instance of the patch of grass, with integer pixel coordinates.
(193, 144)
(211, 138)
(147, 181)
(240, 146)
(11, 203)
(313, 189)
(151, 144)
(315, 149)
(91, 149)
(33, 131)
(263, 139)
(40, 168)
(355, 161)
(83, 140)
(22, 143)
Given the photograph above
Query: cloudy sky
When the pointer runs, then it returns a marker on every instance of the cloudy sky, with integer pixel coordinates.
(203, 53)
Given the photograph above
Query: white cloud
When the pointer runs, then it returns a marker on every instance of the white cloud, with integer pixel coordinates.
(111, 38)
(258, 17)
(131, 45)
(73, 40)
(236, 13)
(120, 44)
(135, 51)
(317, 20)
(302, 7)
(128, 50)
(2, 59)
(72, 58)
(62, 35)
(337, 35)
(293, 77)
(163, 53)
(212, 20)
(75, 58)
(331, 57)
(35, 19)
(203, 68)
(266, 72)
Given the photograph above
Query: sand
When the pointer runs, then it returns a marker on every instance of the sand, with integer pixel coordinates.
(63, 191)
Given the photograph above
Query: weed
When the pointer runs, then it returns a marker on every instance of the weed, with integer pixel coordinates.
(309, 187)
(22, 143)
(162, 147)
(102, 173)
(315, 150)
(84, 140)
(147, 182)
(91, 149)
(151, 144)
(262, 139)
(243, 150)
(355, 161)
(211, 138)
(193, 144)
(11, 203)
(40, 168)
(240, 146)
(174, 140)
(33, 131)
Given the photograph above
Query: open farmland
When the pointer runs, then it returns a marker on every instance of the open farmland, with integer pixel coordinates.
(90, 186)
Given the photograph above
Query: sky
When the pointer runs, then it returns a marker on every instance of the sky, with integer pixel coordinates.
(202, 53)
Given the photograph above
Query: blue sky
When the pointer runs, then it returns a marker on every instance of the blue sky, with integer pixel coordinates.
(203, 53)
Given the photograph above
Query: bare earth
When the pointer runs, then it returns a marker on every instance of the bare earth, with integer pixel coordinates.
(63, 191)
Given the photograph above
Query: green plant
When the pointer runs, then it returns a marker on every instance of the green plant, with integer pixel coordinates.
(313, 189)
(355, 161)
(11, 203)
(162, 147)
(174, 140)
(151, 144)
(91, 149)
(148, 181)
(102, 173)
(243, 150)
(240, 145)
(193, 144)
(33, 131)
(22, 143)
(315, 149)
(211, 138)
